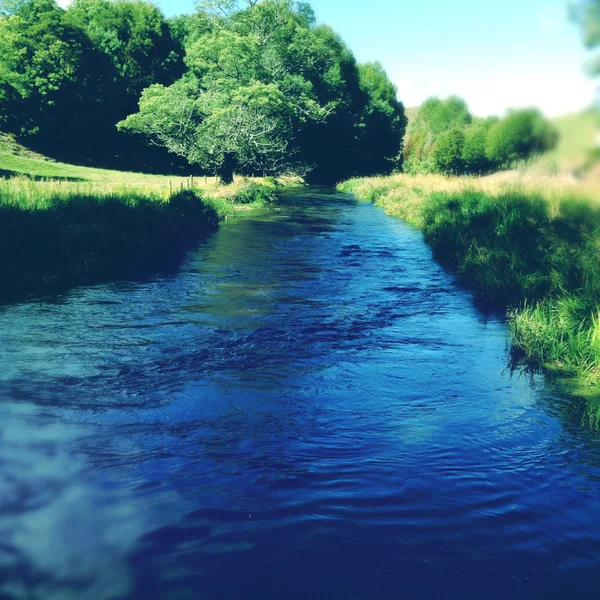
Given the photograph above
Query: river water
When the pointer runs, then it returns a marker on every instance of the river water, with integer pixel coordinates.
(310, 408)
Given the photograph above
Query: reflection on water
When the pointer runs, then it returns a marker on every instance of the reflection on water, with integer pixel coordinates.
(310, 408)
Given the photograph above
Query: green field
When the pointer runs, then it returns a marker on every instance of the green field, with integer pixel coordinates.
(16, 161)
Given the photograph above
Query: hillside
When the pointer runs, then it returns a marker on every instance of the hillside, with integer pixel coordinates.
(578, 137)
(411, 114)
(17, 161)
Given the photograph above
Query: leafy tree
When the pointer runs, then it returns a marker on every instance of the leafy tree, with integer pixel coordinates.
(268, 90)
(67, 77)
(448, 152)
(473, 152)
(521, 134)
(135, 36)
(49, 67)
(384, 121)
(435, 117)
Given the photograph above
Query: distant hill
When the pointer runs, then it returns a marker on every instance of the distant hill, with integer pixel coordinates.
(578, 137)
(8, 146)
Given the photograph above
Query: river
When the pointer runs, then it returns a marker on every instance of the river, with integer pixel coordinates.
(310, 408)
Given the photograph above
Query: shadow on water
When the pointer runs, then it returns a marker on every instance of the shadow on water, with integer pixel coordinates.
(310, 408)
(87, 241)
(118, 272)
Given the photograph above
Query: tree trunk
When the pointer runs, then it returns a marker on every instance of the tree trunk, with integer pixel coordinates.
(226, 169)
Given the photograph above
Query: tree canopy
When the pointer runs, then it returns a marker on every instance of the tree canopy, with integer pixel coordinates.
(266, 90)
(434, 119)
(445, 138)
(68, 76)
(253, 86)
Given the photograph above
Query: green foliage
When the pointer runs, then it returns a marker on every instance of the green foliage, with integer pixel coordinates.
(136, 38)
(67, 77)
(448, 152)
(85, 237)
(262, 89)
(485, 144)
(268, 91)
(48, 69)
(473, 152)
(255, 193)
(561, 333)
(518, 136)
(435, 117)
(384, 121)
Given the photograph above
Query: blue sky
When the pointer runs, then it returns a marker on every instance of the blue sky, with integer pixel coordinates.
(496, 53)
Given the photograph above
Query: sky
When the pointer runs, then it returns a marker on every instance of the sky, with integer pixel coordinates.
(496, 54)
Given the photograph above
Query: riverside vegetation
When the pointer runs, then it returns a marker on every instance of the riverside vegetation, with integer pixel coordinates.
(79, 234)
(532, 249)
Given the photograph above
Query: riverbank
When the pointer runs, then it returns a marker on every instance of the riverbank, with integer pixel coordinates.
(532, 248)
(56, 235)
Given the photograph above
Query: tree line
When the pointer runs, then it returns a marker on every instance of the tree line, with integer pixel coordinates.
(255, 87)
(446, 138)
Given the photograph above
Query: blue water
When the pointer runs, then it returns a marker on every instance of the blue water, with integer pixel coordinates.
(310, 409)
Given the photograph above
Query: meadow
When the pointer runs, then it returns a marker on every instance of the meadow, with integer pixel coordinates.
(530, 246)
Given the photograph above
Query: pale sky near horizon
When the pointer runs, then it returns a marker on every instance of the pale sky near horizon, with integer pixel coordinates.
(496, 54)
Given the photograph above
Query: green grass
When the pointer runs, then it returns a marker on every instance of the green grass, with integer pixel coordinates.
(40, 168)
(536, 256)
(577, 139)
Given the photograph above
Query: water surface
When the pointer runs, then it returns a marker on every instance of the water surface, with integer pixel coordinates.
(310, 409)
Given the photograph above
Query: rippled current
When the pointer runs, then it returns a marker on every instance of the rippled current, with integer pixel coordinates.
(310, 408)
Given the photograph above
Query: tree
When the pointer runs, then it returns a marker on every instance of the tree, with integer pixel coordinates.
(435, 117)
(136, 38)
(384, 121)
(267, 90)
(521, 134)
(50, 67)
(67, 77)
(448, 152)
(473, 152)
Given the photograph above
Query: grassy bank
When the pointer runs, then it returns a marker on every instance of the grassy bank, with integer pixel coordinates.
(54, 235)
(532, 248)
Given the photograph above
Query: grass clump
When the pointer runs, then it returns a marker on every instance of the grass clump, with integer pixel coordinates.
(530, 250)
(562, 333)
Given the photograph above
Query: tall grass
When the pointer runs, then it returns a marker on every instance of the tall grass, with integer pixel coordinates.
(54, 236)
(532, 250)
